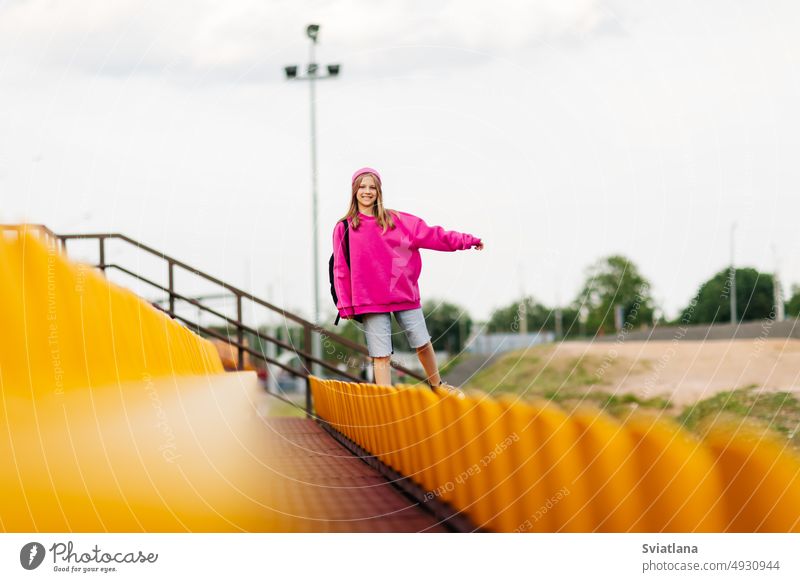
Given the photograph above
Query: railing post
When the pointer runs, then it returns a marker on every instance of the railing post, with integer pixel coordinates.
(171, 286)
(307, 349)
(102, 265)
(239, 331)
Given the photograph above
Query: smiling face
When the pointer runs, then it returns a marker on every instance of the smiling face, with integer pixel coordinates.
(367, 194)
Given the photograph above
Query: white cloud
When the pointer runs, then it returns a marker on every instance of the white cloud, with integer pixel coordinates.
(214, 37)
(510, 25)
(649, 144)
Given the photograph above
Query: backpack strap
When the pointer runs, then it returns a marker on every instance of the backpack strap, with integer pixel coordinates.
(347, 242)
(346, 255)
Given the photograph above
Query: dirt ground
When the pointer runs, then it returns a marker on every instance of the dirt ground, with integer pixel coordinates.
(686, 371)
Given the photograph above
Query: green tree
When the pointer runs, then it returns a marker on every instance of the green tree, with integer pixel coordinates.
(507, 319)
(712, 303)
(538, 316)
(570, 322)
(612, 281)
(792, 306)
(448, 324)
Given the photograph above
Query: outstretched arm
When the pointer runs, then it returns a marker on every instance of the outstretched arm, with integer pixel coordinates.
(438, 239)
(341, 274)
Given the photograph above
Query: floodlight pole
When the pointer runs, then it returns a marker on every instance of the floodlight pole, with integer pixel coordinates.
(733, 277)
(312, 31)
(312, 75)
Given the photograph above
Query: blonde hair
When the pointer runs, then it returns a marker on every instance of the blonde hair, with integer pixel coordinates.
(384, 216)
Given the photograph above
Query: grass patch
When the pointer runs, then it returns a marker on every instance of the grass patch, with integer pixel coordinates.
(615, 404)
(540, 372)
(535, 372)
(569, 382)
(780, 411)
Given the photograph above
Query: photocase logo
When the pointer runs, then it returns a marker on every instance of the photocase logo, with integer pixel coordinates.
(31, 555)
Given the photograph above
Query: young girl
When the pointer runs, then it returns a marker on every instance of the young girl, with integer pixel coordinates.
(382, 275)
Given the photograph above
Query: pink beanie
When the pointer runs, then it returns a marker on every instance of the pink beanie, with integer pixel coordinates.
(366, 171)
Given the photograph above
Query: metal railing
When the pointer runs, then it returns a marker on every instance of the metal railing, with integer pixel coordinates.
(239, 328)
(39, 230)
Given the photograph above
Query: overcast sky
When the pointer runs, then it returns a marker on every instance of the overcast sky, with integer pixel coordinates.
(559, 131)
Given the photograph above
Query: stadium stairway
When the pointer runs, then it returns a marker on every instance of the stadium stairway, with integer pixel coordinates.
(117, 418)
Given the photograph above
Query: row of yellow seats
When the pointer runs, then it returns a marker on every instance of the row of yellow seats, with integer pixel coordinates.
(64, 326)
(519, 466)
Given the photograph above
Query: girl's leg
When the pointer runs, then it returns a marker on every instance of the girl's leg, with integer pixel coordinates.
(378, 329)
(413, 323)
(428, 360)
(382, 371)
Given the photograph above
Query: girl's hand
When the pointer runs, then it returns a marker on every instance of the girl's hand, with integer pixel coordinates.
(478, 247)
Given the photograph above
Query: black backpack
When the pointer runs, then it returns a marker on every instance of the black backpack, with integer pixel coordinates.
(358, 318)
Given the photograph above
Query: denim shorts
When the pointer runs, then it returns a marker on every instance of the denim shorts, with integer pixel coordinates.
(378, 329)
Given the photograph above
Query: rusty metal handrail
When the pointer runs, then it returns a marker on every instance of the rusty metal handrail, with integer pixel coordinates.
(240, 328)
(235, 290)
(251, 330)
(199, 305)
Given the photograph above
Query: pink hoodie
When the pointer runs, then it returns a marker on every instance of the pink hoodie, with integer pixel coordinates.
(384, 268)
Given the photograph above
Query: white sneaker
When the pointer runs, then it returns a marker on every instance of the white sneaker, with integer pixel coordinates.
(446, 388)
